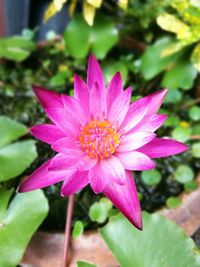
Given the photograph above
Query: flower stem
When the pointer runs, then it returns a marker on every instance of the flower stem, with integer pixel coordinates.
(69, 214)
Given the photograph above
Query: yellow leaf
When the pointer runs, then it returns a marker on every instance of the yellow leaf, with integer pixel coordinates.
(95, 3)
(172, 49)
(195, 57)
(123, 4)
(88, 12)
(53, 8)
(72, 7)
(172, 24)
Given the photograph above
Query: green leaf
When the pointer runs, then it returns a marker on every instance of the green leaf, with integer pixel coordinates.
(15, 158)
(172, 121)
(181, 75)
(183, 174)
(161, 243)
(196, 150)
(24, 215)
(111, 67)
(151, 177)
(196, 129)
(84, 264)
(182, 134)
(80, 38)
(5, 196)
(195, 57)
(98, 212)
(173, 96)
(194, 113)
(16, 48)
(10, 130)
(173, 202)
(78, 229)
(190, 186)
(152, 61)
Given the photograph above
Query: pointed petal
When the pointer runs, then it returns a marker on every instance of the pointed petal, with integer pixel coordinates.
(135, 161)
(75, 183)
(120, 107)
(115, 87)
(97, 102)
(74, 108)
(135, 114)
(42, 177)
(81, 92)
(125, 198)
(94, 73)
(48, 133)
(135, 140)
(65, 121)
(156, 100)
(150, 123)
(47, 98)
(161, 147)
(113, 169)
(98, 179)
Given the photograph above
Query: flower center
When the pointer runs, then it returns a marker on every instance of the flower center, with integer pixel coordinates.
(99, 139)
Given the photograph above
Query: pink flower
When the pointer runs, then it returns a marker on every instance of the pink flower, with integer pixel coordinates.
(100, 138)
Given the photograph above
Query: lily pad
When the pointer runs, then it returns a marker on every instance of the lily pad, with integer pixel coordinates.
(151, 177)
(183, 174)
(14, 157)
(18, 223)
(161, 243)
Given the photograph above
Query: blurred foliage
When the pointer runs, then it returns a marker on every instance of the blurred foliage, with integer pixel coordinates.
(89, 8)
(130, 42)
(159, 237)
(185, 23)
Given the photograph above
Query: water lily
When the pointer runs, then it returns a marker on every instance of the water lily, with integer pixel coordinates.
(100, 138)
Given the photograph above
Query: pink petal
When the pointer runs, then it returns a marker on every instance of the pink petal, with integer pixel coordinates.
(47, 98)
(97, 102)
(135, 114)
(75, 160)
(48, 133)
(135, 161)
(125, 198)
(66, 145)
(156, 100)
(161, 147)
(75, 183)
(113, 169)
(42, 177)
(98, 179)
(65, 121)
(115, 87)
(134, 140)
(81, 92)
(94, 73)
(150, 123)
(74, 108)
(120, 107)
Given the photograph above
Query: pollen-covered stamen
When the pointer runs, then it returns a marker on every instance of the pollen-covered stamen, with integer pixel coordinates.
(99, 139)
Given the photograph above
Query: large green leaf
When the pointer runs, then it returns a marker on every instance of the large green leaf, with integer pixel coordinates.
(16, 48)
(153, 62)
(160, 244)
(80, 38)
(15, 158)
(23, 217)
(181, 75)
(10, 130)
